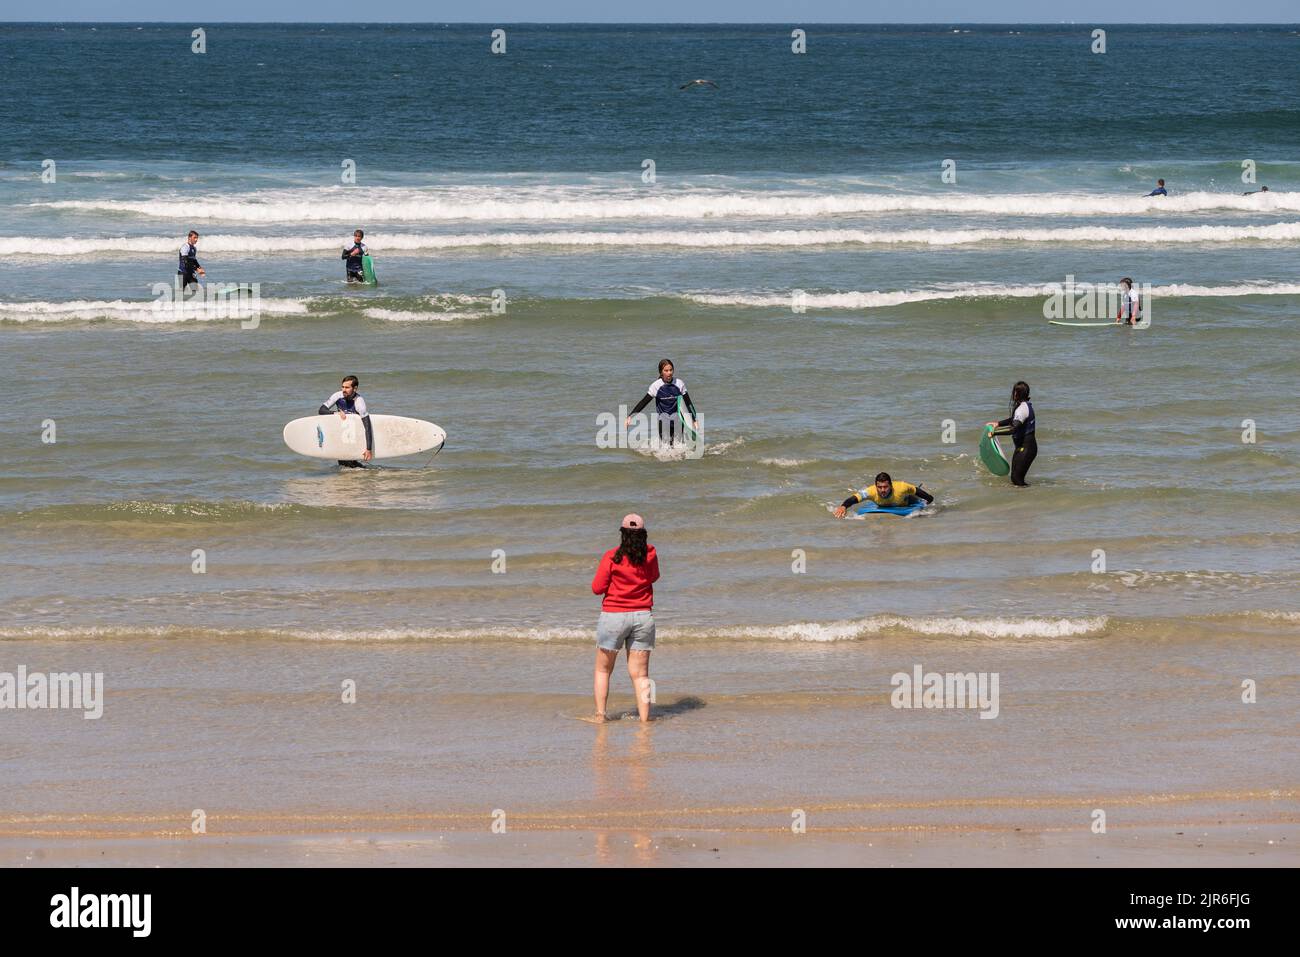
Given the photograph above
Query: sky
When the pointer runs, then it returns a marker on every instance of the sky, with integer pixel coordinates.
(658, 11)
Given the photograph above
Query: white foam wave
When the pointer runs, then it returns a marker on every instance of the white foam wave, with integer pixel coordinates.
(560, 204)
(680, 239)
(798, 631)
(153, 311)
(397, 315)
(878, 299)
(942, 627)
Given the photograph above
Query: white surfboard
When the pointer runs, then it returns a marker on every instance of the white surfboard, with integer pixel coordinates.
(329, 437)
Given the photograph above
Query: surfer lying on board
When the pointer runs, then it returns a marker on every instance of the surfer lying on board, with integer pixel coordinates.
(665, 391)
(353, 254)
(346, 400)
(886, 492)
(1130, 303)
(1020, 425)
(189, 262)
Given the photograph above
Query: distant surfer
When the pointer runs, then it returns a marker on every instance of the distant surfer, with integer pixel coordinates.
(887, 493)
(1020, 425)
(701, 83)
(665, 391)
(626, 577)
(1160, 189)
(1130, 303)
(356, 267)
(348, 400)
(189, 267)
(1262, 189)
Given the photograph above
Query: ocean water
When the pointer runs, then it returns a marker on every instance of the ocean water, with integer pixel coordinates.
(1160, 524)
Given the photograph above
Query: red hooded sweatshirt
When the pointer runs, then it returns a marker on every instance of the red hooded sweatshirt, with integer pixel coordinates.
(626, 587)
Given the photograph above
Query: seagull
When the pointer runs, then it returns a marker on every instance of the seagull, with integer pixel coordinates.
(687, 86)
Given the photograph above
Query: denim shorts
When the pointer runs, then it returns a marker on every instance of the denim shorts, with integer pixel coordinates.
(637, 628)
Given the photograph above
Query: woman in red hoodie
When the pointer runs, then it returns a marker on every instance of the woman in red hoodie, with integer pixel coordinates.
(625, 577)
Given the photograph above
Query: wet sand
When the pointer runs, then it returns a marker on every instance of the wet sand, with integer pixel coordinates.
(446, 739)
(1228, 845)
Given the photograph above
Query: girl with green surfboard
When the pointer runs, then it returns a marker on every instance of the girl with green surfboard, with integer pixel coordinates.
(1021, 426)
(670, 398)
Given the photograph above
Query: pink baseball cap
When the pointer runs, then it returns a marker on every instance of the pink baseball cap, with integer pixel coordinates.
(633, 520)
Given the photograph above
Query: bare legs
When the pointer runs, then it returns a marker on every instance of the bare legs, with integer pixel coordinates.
(638, 669)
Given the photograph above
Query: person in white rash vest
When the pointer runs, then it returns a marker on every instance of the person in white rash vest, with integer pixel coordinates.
(665, 391)
(1130, 303)
(346, 400)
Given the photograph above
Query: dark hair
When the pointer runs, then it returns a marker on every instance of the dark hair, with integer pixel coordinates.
(632, 547)
(1160, 182)
(1126, 279)
(356, 383)
(360, 232)
(192, 232)
(884, 477)
(667, 362)
(1019, 393)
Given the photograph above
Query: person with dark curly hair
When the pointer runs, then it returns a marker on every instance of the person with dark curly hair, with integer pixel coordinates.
(626, 577)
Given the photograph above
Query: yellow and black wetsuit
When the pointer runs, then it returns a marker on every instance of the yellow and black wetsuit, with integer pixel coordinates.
(902, 493)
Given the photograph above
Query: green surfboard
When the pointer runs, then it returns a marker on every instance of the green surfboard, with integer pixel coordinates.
(685, 418)
(368, 270)
(991, 454)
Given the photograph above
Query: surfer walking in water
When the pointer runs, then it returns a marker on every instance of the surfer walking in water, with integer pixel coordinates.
(886, 493)
(665, 391)
(188, 268)
(1020, 426)
(348, 400)
(1130, 303)
(626, 577)
(353, 254)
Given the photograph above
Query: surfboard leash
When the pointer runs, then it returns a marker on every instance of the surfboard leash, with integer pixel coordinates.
(441, 446)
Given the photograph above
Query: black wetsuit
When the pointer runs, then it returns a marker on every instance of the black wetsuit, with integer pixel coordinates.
(355, 268)
(189, 265)
(921, 493)
(1022, 435)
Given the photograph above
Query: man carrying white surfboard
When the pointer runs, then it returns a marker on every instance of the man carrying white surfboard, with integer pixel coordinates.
(347, 401)
(887, 494)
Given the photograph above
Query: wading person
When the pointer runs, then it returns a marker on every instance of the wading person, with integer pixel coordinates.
(1020, 425)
